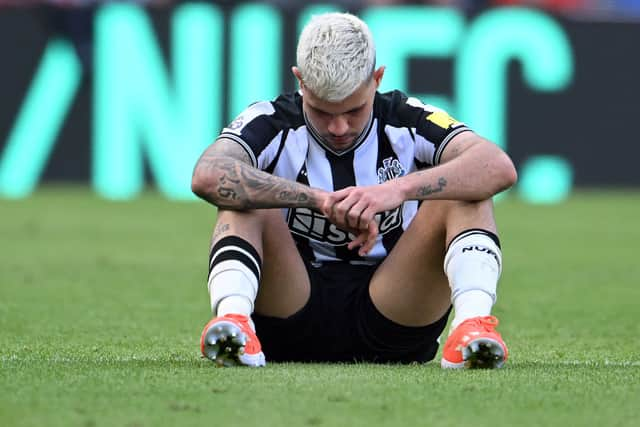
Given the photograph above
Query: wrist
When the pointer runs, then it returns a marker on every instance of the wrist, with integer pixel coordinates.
(318, 197)
(402, 185)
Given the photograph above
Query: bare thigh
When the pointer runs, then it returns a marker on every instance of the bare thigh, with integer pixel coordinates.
(284, 285)
(410, 287)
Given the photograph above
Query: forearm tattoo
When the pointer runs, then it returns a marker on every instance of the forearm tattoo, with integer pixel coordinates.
(241, 186)
(229, 184)
(428, 189)
(293, 196)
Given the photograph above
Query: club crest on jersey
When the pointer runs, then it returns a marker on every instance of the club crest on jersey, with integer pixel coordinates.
(236, 124)
(313, 225)
(391, 168)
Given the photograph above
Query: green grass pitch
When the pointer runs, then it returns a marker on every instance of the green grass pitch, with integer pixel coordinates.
(102, 304)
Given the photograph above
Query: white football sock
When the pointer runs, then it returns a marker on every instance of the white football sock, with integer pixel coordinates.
(233, 277)
(473, 264)
(232, 291)
(471, 304)
(236, 304)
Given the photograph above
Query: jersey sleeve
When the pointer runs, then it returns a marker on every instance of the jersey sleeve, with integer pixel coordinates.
(255, 130)
(434, 130)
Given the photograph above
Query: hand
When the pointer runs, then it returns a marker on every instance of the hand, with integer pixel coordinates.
(354, 209)
(365, 239)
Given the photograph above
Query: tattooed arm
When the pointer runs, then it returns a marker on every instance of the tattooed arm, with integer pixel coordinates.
(224, 177)
(471, 168)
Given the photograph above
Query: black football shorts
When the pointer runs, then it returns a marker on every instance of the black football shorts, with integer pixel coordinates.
(339, 323)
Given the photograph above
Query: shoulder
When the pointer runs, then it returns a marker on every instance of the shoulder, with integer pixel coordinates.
(398, 109)
(283, 112)
(264, 122)
(288, 109)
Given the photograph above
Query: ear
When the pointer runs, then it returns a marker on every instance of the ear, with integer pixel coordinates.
(377, 75)
(296, 72)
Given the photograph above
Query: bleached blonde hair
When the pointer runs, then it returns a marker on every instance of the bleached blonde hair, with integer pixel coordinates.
(336, 55)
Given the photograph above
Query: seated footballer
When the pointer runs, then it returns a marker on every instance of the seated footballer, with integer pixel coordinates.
(351, 222)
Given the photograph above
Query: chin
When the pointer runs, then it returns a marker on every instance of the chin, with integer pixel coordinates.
(346, 142)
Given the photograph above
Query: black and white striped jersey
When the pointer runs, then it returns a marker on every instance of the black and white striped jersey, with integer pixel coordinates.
(402, 136)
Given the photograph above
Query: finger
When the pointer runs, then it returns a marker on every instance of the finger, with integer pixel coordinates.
(339, 195)
(360, 239)
(324, 202)
(370, 241)
(355, 216)
(353, 219)
(343, 211)
(333, 198)
(327, 206)
(334, 211)
(367, 216)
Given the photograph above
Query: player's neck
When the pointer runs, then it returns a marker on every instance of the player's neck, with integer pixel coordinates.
(327, 144)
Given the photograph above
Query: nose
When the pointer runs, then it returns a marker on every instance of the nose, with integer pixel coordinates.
(338, 126)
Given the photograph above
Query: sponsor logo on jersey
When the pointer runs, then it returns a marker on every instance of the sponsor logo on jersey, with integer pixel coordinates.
(315, 226)
(443, 120)
(391, 168)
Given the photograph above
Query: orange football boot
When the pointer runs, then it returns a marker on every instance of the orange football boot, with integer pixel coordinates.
(229, 340)
(475, 344)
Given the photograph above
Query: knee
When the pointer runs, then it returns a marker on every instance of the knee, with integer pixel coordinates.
(471, 208)
(439, 212)
(454, 216)
(256, 217)
(252, 225)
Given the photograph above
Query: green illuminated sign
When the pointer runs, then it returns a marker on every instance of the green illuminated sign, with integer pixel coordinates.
(144, 111)
(541, 47)
(41, 116)
(140, 110)
(256, 56)
(414, 31)
(482, 53)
